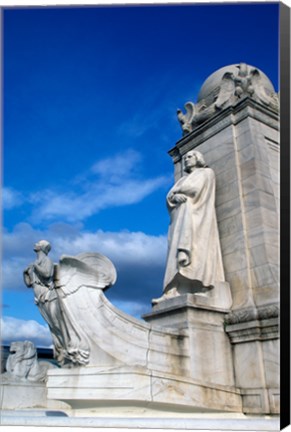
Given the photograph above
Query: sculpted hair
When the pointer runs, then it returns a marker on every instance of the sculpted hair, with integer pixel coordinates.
(200, 159)
(45, 246)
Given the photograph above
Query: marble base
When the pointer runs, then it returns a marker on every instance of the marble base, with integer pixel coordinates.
(209, 347)
(93, 388)
(175, 311)
(218, 297)
(26, 395)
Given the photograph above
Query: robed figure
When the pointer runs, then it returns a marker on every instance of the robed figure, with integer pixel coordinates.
(58, 290)
(194, 262)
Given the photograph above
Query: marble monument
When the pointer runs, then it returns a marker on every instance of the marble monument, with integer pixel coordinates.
(209, 345)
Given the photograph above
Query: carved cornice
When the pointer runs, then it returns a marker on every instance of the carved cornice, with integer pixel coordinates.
(223, 119)
(252, 314)
(253, 324)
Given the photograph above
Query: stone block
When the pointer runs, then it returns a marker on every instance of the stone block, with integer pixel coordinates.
(229, 208)
(274, 400)
(264, 254)
(275, 176)
(259, 235)
(255, 401)
(94, 387)
(213, 154)
(235, 261)
(257, 183)
(240, 287)
(225, 164)
(271, 134)
(224, 178)
(259, 199)
(248, 364)
(23, 395)
(230, 225)
(244, 138)
(265, 275)
(252, 166)
(256, 218)
(271, 358)
(209, 349)
(232, 243)
(225, 191)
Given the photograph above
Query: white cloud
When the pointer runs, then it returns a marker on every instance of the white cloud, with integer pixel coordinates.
(121, 247)
(110, 182)
(74, 207)
(11, 198)
(135, 309)
(120, 165)
(13, 329)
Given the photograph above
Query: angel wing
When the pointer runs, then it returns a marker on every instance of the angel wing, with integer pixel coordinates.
(187, 119)
(259, 89)
(87, 269)
(227, 88)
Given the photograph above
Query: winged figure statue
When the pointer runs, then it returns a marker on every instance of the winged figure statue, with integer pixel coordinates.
(56, 290)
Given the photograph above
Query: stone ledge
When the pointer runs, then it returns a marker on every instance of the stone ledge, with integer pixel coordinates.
(256, 330)
(199, 422)
(222, 119)
(183, 311)
(252, 314)
(94, 386)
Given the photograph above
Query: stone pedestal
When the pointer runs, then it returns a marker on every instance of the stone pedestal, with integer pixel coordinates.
(24, 395)
(209, 347)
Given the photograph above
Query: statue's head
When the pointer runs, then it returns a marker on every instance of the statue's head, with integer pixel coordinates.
(42, 245)
(193, 158)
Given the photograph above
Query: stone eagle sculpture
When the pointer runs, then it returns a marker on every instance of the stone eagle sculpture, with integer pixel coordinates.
(226, 87)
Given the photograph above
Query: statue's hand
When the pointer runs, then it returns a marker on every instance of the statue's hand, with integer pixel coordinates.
(27, 275)
(179, 198)
(183, 258)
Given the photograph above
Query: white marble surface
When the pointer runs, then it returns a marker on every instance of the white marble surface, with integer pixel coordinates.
(93, 387)
(141, 422)
(194, 260)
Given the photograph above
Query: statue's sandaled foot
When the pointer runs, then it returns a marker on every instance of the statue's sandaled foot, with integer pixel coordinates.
(168, 295)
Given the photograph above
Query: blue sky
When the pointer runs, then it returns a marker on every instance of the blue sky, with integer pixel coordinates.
(89, 113)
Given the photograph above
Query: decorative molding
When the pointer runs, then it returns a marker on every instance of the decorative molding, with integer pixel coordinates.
(246, 108)
(253, 324)
(252, 314)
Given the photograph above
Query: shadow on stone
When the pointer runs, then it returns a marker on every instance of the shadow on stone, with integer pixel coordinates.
(55, 414)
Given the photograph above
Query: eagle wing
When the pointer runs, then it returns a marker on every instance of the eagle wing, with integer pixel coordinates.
(259, 89)
(226, 91)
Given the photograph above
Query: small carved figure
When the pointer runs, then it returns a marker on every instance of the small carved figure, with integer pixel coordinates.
(194, 262)
(22, 363)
